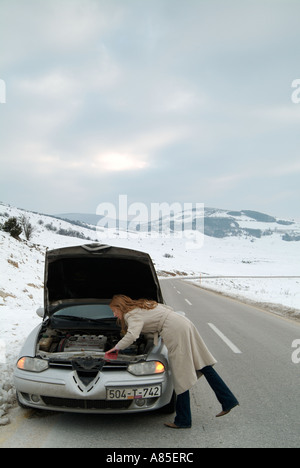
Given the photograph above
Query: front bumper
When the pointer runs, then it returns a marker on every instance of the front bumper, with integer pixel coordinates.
(63, 390)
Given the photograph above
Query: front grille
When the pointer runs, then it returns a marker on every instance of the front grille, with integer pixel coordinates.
(86, 404)
(108, 366)
(60, 364)
(115, 366)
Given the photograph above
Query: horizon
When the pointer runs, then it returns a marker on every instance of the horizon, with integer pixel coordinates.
(135, 213)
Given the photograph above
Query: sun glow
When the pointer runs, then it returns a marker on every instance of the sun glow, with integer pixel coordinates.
(120, 162)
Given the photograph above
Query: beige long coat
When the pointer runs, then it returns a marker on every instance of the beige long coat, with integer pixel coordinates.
(187, 351)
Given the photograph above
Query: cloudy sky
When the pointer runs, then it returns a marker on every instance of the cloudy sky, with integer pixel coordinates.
(162, 100)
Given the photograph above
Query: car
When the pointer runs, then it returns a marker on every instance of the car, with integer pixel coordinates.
(64, 365)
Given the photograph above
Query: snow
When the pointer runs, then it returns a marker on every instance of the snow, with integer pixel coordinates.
(22, 272)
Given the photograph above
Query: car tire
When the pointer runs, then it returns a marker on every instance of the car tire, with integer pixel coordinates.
(21, 404)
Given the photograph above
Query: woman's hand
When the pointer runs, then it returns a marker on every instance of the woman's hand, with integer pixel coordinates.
(111, 354)
(112, 350)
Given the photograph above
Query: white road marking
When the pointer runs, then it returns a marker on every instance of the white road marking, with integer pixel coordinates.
(179, 292)
(189, 303)
(226, 340)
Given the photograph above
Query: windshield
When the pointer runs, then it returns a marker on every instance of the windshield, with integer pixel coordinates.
(86, 311)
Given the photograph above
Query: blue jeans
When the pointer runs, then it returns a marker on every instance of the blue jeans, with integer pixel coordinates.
(224, 396)
(183, 410)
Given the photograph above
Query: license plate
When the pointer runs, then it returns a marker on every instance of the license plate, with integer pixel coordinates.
(133, 393)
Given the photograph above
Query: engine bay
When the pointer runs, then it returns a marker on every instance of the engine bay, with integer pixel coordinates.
(73, 342)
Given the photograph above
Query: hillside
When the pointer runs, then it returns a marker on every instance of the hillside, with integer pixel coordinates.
(214, 222)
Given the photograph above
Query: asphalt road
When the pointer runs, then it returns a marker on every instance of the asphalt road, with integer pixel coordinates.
(254, 353)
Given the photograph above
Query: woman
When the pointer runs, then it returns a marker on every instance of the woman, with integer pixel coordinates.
(188, 355)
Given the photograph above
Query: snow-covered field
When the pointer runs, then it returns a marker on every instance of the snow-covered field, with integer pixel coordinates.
(22, 270)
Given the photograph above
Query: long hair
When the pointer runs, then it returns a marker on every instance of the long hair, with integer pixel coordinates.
(125, 304)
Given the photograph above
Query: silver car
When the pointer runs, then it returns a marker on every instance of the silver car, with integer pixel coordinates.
(63, 364)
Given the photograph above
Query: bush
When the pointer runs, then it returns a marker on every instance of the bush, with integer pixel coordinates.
(13, 227)
(28, 229)
(72, 233)
(291, 237)
(50, 227)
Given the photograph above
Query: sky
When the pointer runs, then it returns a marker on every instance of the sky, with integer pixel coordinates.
(164, 101)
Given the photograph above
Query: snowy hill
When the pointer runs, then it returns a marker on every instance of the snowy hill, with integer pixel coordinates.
(245, 255)
(242, 255)
(216, 223)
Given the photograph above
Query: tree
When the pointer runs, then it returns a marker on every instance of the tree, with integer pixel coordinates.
(12, 227)
(28, 229)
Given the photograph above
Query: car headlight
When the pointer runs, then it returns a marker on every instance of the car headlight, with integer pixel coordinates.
(146, 368)
(32, 364)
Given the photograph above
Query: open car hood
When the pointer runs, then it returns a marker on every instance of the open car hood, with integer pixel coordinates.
(97, 272)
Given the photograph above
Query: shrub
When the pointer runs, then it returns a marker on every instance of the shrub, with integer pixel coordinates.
(28, 229)
(13, 227)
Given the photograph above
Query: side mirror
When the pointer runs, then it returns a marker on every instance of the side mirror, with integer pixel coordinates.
(40, 312)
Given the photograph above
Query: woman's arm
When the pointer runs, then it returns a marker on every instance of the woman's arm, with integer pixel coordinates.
(135, 325)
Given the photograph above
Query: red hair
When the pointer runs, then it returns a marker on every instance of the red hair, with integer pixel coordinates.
(125, 304)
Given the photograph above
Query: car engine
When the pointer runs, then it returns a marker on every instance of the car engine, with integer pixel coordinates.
(55, 341)
(82, 343)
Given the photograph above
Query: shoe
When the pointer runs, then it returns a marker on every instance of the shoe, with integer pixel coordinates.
(223, 413)
(173, 426)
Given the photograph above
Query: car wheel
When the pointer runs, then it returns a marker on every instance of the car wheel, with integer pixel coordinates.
(21, 404)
